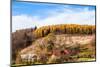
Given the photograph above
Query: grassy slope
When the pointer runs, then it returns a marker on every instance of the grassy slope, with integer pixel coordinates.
(40, 46)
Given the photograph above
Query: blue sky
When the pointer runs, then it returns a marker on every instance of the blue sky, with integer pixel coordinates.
(29, 14)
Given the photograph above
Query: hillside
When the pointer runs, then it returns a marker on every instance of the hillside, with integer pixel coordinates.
(59, 48)
(54, 44)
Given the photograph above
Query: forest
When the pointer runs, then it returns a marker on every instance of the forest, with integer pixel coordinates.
(64, 29)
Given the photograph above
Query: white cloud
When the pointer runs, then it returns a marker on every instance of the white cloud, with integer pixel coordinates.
(67, 16)
(22, 21)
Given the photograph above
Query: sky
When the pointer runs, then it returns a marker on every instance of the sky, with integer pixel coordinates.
(30, 14)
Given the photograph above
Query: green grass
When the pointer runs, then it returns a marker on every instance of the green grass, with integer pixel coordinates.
(18, 65)
(86, 59)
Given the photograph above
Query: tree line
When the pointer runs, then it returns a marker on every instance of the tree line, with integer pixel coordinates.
(64, 29)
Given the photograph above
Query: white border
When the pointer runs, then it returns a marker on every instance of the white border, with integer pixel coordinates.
(88, 2)
(4, 33)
